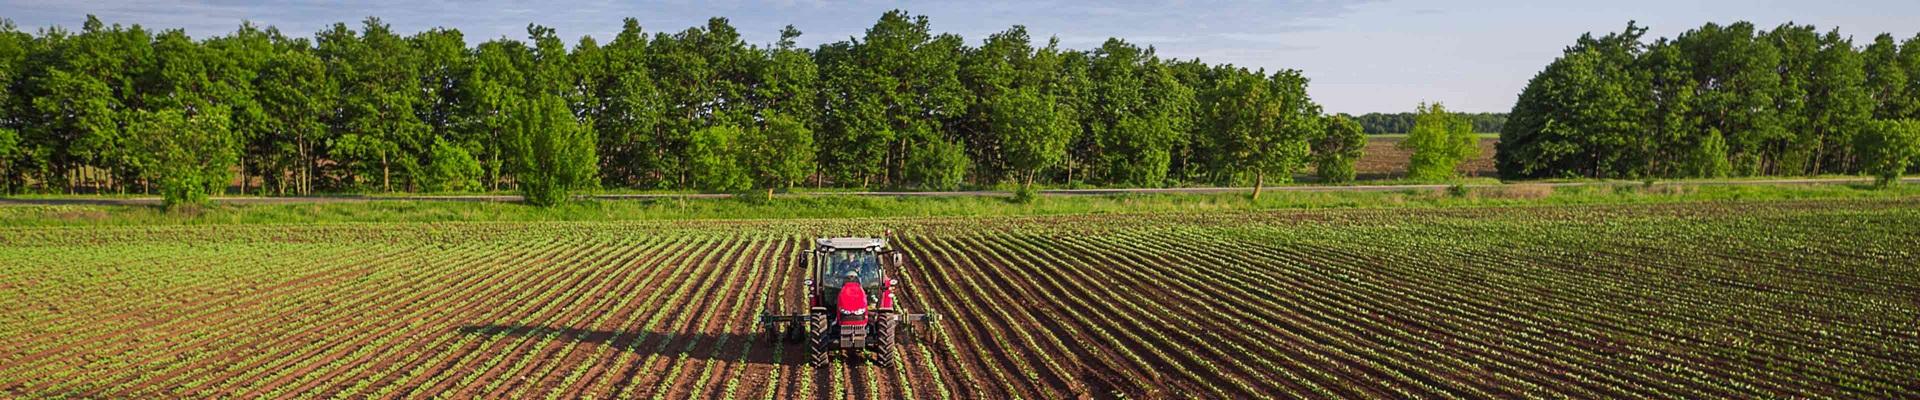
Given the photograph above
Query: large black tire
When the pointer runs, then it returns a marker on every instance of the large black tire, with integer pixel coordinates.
(884, 338)
(821, 343)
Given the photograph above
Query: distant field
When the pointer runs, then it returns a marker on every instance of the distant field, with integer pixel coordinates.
(1731, 299)
(1382, 160)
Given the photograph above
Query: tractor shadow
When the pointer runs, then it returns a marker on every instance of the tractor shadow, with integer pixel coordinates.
(702, 346)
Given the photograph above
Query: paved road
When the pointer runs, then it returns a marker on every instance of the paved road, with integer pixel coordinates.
(83, 200)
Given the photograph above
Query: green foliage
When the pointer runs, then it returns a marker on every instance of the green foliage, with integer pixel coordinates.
(1337, 148)
(553, 154)
(714, 159)
(188, 156)
(1709, 158)
(9, 151)
(358, 107)
(779, 154)
(379, 131)
(1579, 117)
(1786, 101)
(492, 86)
(1399, 123)
(628, 112)
(938, 165)
(1136, 111)
(451, 169)
(1886, 78)
(1440, 140)
(1032, 132)
(1263, 124)
(1888, 147)
(9, 145)
(294, 95)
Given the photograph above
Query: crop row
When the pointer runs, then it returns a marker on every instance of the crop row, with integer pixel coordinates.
(1660, 302)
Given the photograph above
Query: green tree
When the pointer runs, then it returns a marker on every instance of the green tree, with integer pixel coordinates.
(14, 47)
(295, 97)
(779, 154)
(714, 159)
(232, 66)
(378, 129)
(551, 152)
(1264, 123)
(444, 61)
(189, 156)
(1886, 78)
(9, 151)
(1032, 133)
(1887, 148)
(451, 169)
(855, 134)
(1337, 148)
(80, 124)
(1797, 46)
(1672, 128)
(1583, 115)
(1907, 105)
(1136, 113)
(1740, 75)
(628, 113)
(493, 86)
(786, 83)
(80, 93)
(909, 75)
(1439, 140)
(1004, 62)
(938, 165)
(1708, 158)
(703, 76)
(1838, 107)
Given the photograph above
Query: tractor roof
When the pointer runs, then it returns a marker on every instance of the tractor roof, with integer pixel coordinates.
(851, 242)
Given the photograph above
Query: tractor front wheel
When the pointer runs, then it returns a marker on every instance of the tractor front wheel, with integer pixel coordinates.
(884, 340)
(821, 344)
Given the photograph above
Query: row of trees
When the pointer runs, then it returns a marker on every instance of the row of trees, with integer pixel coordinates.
(1717, 101)
(1386, 123)
(121, 108)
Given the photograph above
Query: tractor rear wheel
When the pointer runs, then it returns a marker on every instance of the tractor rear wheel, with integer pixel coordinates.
(821, 346)
(884, 338)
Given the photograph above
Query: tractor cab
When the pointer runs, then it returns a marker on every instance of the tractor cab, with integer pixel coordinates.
(862, 262)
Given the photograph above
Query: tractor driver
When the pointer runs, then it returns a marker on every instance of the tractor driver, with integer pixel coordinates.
(855, 266)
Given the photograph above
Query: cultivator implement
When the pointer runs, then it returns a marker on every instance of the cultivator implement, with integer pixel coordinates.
(793, 327)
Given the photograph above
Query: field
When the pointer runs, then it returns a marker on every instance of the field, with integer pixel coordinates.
(1790, 298)
(1382, 160)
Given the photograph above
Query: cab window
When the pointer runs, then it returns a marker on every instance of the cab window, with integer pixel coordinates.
(864, 265)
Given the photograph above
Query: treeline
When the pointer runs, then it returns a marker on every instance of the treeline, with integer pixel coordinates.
(1396, 123)
(121, 108)
(1717, 101)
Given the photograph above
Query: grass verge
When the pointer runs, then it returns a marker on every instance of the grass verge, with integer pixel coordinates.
(863, 207)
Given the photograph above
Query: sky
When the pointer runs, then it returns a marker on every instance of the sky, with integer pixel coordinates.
(1362, 55)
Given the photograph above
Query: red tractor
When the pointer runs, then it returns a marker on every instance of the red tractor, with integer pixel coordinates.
(851, 307)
